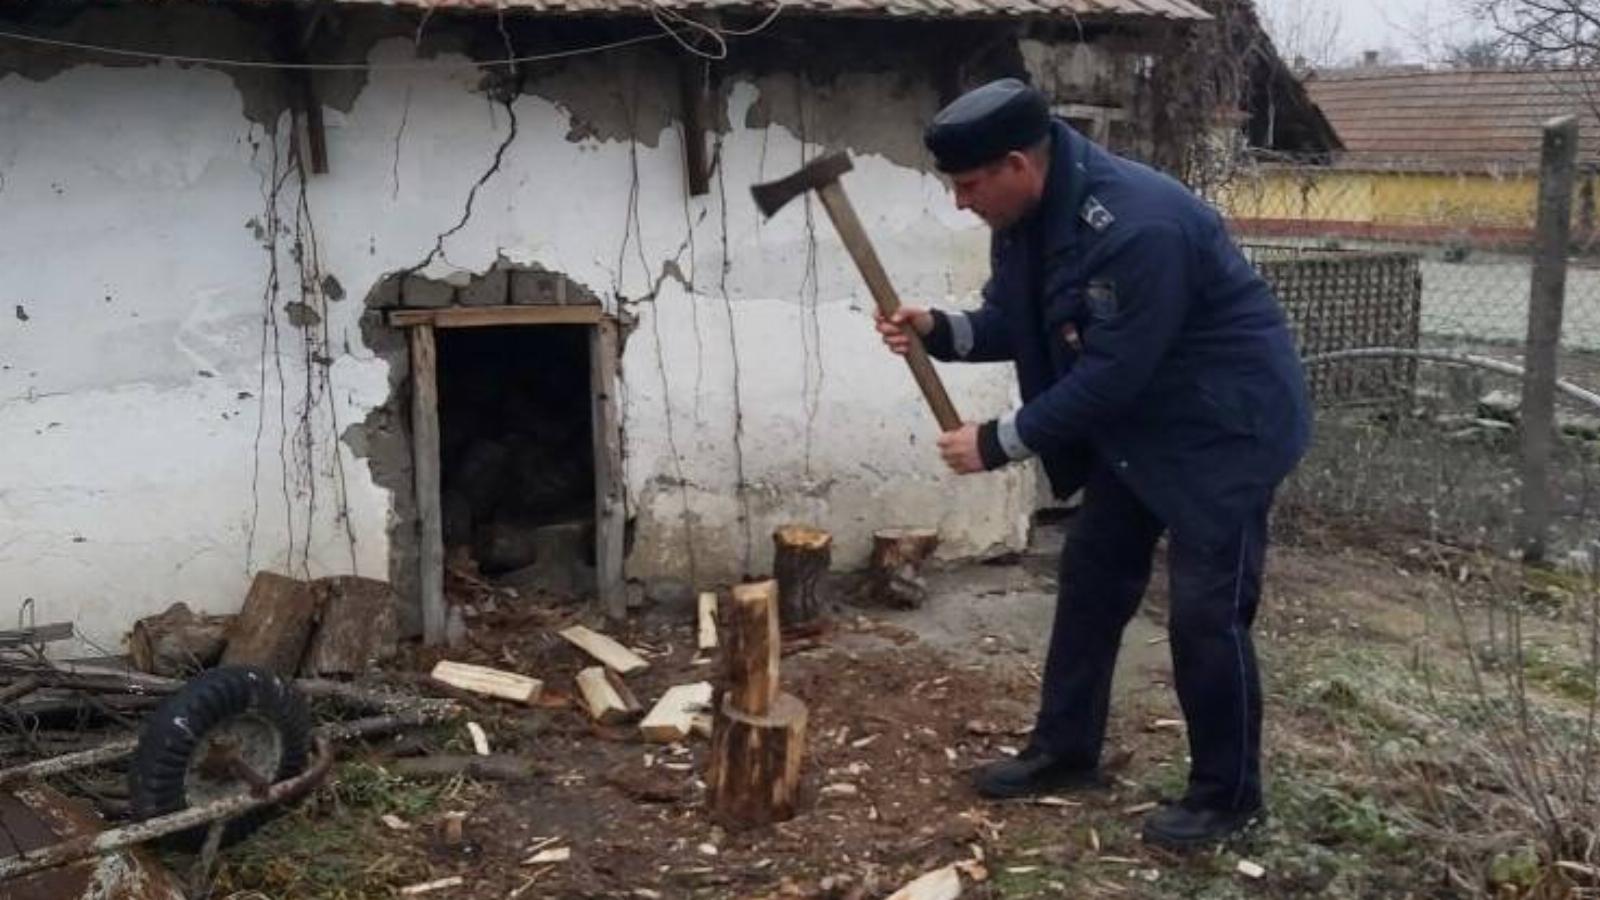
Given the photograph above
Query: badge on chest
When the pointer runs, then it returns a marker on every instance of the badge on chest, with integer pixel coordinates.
(1100, 296)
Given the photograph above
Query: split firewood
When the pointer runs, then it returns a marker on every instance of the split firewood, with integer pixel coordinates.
(801, 557)
(274, 625)
(672, 718)
(708, 621)
(895, 577)
(940, 884)
(607, 697)
(177, 642)
(358, 627)
(754, 647)
(487, 681)
(613, 655)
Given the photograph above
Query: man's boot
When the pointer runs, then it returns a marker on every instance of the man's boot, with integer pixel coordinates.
(1030, 773)
(1178, 827)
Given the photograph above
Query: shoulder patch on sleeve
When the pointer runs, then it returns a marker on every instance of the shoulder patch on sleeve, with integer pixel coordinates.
(1095, 214)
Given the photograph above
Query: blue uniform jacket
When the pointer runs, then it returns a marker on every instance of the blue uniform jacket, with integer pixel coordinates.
(1140, 335)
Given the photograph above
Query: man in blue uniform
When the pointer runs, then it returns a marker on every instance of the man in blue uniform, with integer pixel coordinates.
(1158, 375)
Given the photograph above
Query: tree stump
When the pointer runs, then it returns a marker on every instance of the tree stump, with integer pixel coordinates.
(758, 738)
(800, 560)
(755, 763)
(895, 572)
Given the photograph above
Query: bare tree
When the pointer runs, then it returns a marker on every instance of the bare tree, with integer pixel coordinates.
(1479, 53)
(1306, 32)
(1551, 35)
(1545, 33)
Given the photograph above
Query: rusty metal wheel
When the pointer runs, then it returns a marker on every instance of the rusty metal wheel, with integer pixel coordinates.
(230, 731)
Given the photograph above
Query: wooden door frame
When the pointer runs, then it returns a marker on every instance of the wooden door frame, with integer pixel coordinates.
(441, 624)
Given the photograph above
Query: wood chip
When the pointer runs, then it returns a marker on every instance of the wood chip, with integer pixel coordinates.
(430, 886)
(1250, 870)
(546, 857)
(940, 884)
(1139, 808)
(708, 849)
(613, 655)
(480, 739)
(865, 742)
(707, 637)
(1054, 801)
(1021, 870)
(394, 822)
(1165, 725)
(840, 790)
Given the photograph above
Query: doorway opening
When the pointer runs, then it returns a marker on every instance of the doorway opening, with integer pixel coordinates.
(516, 455)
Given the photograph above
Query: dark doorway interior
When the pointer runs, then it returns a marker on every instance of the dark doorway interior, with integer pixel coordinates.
(517, 454)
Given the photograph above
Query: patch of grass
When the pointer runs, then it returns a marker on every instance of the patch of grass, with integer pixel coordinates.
(1548, 668)
(333, 845)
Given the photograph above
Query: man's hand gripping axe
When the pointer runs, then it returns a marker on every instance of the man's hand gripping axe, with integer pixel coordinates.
(822, 175)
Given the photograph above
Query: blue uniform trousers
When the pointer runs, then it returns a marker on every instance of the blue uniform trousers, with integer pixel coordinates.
(1215, 588)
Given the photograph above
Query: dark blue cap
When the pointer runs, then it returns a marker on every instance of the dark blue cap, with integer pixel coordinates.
(986, 123)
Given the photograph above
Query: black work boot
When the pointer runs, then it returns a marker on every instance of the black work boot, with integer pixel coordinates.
(1178, 827)
(1030, 773)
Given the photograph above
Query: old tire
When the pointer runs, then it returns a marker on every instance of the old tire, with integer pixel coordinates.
(243, 708)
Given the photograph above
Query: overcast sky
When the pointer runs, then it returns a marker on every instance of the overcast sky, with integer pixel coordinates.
(1416, 29)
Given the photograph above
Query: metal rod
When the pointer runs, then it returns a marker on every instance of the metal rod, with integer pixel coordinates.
(1457, 359)
(139, 832)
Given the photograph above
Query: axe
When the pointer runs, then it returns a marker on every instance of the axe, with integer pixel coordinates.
(822, 175)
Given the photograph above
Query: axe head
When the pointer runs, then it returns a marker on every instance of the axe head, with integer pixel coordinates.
(772, 196)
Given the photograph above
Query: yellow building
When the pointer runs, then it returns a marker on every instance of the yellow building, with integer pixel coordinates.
(1429, 156)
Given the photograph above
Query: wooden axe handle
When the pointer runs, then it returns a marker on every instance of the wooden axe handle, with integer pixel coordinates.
(855, 240)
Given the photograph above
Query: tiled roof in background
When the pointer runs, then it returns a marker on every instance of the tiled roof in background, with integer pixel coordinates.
(1173, 10)
(1454, 119)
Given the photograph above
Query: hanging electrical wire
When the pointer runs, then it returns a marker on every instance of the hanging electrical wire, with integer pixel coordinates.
(673, 24)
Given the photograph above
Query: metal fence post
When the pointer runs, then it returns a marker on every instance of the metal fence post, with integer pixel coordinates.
(1557, 173)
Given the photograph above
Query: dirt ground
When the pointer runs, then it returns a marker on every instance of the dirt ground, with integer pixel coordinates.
(902, 706)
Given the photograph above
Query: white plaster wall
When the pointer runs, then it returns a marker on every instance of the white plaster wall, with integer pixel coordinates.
(132, 480)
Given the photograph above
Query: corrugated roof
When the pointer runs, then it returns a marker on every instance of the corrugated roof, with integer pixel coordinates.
(1454, 119)
(1170, 10)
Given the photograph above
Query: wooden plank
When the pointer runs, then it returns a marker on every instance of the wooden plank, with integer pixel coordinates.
(488, 682)
(359, 627)
(708, 621)
(692, 78)
(605, 695)
(39, 634)
(273, 626)
(608, 506)
(425, 463)
(672, 718)
(615, 656)
(492, 316)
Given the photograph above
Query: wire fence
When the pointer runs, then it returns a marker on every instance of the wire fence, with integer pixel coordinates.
(1414, 258)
